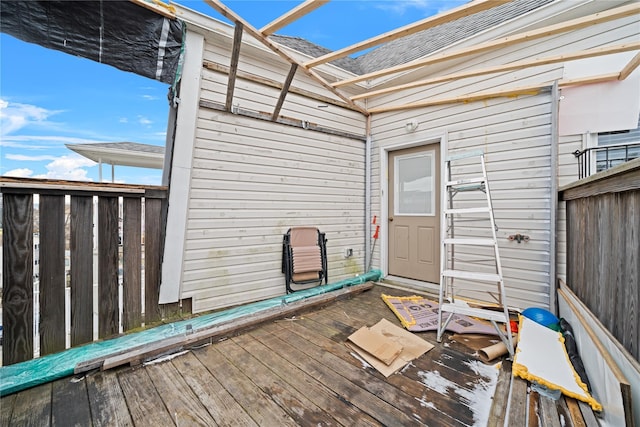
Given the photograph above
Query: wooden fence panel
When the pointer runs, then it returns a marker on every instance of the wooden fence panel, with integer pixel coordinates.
(81, 246)
(108, 311)
(603, 249)
(131, 263)
(17, 278)
(51, 273)
(18, 261)
(153, 232)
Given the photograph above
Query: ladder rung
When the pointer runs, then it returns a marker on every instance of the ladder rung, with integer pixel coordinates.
(497, 316)
(471, 241)
(479, 179)
(484, 209)
(471, 275)
(465, 155)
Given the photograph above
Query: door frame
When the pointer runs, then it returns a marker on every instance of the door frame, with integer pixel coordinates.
(440, 138)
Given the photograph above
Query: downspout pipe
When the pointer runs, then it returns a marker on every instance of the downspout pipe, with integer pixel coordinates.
(553, 232)
(31, 373)
(367, 196)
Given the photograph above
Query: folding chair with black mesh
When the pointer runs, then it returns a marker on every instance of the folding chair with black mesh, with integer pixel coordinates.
(304, 257)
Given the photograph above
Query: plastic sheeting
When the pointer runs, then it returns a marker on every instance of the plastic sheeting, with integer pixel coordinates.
(119, 33)
(34, 372)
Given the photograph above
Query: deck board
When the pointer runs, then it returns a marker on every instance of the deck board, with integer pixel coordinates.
(306, 384)
(182, 403)
(144, 402)
(222, 406)
(256, 402)
(292, 371)
(32, 407)
(106, 400)
(70, 403)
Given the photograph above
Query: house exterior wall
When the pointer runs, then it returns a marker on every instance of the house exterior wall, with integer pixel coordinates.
(516, 135)
(251, 180)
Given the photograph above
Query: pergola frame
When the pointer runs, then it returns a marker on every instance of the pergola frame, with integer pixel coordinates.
(347, 101)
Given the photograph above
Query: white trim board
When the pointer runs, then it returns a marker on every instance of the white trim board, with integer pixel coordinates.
(440, 138)
(613, 373)
(185, 139)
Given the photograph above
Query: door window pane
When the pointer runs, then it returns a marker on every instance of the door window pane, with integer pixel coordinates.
(414, 184)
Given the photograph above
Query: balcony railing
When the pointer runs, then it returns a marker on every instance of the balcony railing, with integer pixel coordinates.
(83, 220)
(597, 159)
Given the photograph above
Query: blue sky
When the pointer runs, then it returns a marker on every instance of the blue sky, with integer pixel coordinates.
(48, 98)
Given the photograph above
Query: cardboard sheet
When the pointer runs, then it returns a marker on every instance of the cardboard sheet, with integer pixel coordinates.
(419, 314)
(542, 357)
(376, 344)
(412, 347)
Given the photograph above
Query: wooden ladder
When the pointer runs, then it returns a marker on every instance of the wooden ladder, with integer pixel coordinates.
(449, 272)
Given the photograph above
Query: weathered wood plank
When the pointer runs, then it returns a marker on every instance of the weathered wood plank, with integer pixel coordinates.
(145, 404)
(549, 412)
(534, 415)
(131, 263)
(518, 404)
(152, 258)
(500, 396)
(81, 247)
(355, 386)
(574, 411)
(602, 247)
(6, 409)
(70, 403)
(182, 403)
(17, 278)
(51, 272)
(106, 400)
(259, 405)
(294, 403)
(221, 405)
(108, 310)
(588, 415)
(305, 384)
(32, 407)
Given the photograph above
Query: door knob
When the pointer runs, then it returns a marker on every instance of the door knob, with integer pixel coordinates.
(390, 219)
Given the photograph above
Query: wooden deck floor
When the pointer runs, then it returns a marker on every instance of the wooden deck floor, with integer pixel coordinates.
(295, 371)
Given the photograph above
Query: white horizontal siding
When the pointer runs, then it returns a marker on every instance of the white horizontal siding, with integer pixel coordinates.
(251, 181)
(515, 134)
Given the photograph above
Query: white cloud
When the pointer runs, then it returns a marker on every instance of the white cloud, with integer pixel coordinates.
(144, 121)
(123, 120)
(20, 173)
(149, 97)
(24, 158)
(15, 116)
(68, 167)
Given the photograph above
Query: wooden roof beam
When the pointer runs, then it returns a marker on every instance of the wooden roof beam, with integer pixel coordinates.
(233, 67)
(229, 14)
(219, 68)
(630, 67)
(166, 10)
(589, 53)
(512, 92)
(283, 92)
(601, 78)
(430, 22)
(562, 27)
(293, 15)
